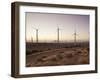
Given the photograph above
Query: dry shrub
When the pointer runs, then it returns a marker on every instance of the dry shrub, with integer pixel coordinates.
(44, 56)
(49, 49)
(61, 52)
(39, 60)
(69, 55)
(60, 56)
(34, 51)
(28, 52)
(40, 50)
(79, 52)
(53, 59)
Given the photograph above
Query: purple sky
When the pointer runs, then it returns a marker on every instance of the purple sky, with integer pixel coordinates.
(47, 23)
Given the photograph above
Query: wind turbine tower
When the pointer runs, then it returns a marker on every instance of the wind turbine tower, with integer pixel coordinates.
(75, 36)
(36, 35)
(58, 35)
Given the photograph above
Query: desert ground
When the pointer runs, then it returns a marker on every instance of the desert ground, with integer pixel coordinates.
(53, 54)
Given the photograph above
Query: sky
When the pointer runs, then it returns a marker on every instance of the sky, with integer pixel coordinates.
(47, 24)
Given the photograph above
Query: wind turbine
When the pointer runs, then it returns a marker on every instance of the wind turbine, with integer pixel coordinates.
(58, 29)
(36, 34)
(75, 37)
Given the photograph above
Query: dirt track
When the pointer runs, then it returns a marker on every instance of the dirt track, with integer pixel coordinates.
(62, 56)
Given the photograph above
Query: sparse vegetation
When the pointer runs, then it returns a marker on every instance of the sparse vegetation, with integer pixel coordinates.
(39, 60)
(28, 52)
(44, 56)
(62, 52)
(49, 49)
(53, 59)
(59, 56)
(34, 51)
(50, 55)
(69, 55)
(79, 52)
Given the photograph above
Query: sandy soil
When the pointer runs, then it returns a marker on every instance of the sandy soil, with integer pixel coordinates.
(62, 56)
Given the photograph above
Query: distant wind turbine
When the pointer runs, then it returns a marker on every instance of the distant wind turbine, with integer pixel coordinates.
(36, 34)
(58, 29)
(75, 37)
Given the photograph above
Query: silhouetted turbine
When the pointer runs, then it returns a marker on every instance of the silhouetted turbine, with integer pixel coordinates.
(36, 34)
(58, 40)
(75, 37)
